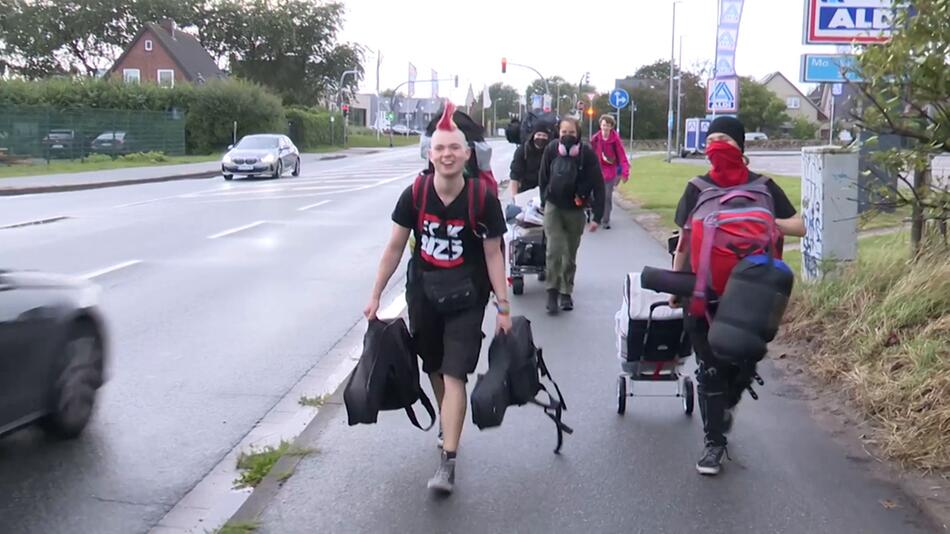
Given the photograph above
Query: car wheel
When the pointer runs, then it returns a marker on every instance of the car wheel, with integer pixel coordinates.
(296, 168)
(74, 390)
(279, 170)
(228, 176)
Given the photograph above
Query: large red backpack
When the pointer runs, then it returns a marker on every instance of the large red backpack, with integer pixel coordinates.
(728, 224)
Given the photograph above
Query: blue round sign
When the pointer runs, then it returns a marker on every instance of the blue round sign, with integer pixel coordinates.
(619, 98)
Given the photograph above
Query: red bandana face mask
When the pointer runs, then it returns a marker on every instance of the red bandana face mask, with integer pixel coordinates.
(728, 167)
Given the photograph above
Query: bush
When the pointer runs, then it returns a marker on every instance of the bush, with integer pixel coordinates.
(145, 157)
(310, 128)
(211, 109)
(803, 128)
(98, 158)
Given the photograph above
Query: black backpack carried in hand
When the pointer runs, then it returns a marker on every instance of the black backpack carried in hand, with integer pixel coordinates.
(386, 377)
(515, 370)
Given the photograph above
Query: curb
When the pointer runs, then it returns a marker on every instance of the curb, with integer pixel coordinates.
(16, 191)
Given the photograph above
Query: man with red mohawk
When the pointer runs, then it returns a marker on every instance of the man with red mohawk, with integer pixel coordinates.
(457, 263)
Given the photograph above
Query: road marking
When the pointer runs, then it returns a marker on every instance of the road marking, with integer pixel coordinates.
(236, 230)
(317, 205)
(112, 269)
(395, 307)
(34, 222)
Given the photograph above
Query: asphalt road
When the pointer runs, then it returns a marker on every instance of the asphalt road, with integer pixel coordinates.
(632, 473)
(219, 297)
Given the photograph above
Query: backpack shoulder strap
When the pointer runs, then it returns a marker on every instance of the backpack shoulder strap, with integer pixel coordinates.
(420, 197)
(427, 404)
(701, 183)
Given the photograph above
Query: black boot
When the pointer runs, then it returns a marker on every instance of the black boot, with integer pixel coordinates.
(552, 302)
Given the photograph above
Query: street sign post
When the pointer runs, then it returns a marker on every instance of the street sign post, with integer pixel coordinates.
(848, 21)
(619, 98)
(722, 95)
(829, 68)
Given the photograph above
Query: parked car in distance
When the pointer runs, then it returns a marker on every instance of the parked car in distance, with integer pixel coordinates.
(53, 351)
(756, 136)
(61, 143)
(401, 129)
(261, 154)
(112, 143)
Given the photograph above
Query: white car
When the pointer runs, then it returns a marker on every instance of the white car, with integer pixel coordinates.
(756, 136)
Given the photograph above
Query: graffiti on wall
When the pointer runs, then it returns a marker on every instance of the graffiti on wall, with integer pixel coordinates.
(812, 214)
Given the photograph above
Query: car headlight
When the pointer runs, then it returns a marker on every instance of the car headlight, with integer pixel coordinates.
(268, 159)
(226, 159)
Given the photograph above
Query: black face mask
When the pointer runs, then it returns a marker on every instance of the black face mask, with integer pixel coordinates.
(540, 143)
(568, 140)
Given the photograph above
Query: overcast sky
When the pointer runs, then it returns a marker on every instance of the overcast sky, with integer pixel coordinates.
(469, 38)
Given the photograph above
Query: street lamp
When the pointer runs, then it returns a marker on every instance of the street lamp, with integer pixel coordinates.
(339, 102)
(669, 116)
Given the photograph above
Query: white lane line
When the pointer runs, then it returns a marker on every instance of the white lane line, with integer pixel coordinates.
(317, 205)
(236, 230)
(112, 269)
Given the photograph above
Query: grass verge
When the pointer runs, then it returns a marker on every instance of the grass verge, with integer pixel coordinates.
(98, 164)
(314, 402)
(256, 464)
(243, 527)
(881, 331)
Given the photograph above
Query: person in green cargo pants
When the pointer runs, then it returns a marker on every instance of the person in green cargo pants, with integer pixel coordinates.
(570, 180)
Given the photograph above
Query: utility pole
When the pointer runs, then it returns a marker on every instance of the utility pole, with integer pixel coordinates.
(669, 115)
(679, 96)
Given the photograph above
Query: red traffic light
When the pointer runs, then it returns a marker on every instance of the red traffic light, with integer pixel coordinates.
(504, 65)
(345, 107)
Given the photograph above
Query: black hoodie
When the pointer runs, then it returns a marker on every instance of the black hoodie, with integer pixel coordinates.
(525, 165)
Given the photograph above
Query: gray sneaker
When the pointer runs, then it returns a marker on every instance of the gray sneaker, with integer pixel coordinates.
(711, 462)
(444, 479)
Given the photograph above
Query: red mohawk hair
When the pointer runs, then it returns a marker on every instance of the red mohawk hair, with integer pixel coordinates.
(446, 123)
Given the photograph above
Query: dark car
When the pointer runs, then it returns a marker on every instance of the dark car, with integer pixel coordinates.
(61, 144)
(261, 155)
(113, 143)
(52, 351)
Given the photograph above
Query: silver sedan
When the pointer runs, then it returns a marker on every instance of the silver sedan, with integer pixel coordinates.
(261, 155)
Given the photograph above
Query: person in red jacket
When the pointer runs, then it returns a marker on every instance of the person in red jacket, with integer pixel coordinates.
(613, 161)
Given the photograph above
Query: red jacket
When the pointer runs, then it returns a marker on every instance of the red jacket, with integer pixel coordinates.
(611, 154)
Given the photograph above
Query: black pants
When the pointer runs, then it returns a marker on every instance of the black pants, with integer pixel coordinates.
(719, 384)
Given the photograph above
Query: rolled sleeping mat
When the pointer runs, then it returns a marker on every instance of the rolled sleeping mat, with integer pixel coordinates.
(751, 309)
(665, 281)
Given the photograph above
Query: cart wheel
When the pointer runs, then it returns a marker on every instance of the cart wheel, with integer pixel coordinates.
(542, 276)
(688, 398)
(517, 285)
(621, 394)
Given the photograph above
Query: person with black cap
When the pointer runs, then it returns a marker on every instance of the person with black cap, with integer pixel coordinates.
(526, 163)
(720, 384)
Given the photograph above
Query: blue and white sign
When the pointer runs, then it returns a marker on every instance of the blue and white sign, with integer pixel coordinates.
(619, 98)
(727, 37)
(837, 89)
(829, 68)
(848, 21)
(722, 95)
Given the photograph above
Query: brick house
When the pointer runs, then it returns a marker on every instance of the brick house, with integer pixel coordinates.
(163, 54)
(797, 105)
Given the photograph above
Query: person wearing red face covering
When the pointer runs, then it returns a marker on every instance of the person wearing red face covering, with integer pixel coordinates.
(720, 384)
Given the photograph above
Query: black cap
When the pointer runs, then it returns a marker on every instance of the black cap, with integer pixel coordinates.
(731, 127)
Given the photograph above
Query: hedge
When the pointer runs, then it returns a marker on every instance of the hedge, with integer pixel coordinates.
(211, 109)
(310, 128)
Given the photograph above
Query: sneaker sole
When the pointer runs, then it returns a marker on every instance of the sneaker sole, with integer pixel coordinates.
(440, 488)
(708, 471)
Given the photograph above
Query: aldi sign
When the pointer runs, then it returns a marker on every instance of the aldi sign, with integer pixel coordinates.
(848, 21)
(722, 95)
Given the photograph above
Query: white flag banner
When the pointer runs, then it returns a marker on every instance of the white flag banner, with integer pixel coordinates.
(486, 98)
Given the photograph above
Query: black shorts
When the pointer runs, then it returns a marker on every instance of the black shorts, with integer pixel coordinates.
(447, 344)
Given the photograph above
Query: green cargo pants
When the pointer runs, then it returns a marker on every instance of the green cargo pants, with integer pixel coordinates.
(563, 229)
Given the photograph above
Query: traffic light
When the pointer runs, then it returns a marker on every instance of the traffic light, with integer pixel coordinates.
(456, 81)
(504, 65)
(587, 78)
(590, 111)
(390, 116)
(346, 109)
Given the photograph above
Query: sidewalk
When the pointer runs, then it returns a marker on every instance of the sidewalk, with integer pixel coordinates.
(52, 183)
(631, 473)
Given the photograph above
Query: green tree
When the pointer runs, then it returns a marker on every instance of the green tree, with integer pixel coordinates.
(803, 128)
(506, 100)
(47, 37)
(906, 94)
(290, 46)
(759, 109)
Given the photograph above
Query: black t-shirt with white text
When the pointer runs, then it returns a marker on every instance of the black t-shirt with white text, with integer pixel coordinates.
(446, 240)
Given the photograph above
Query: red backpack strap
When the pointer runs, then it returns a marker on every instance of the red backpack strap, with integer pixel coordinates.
(697, 306)
(420, 188)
